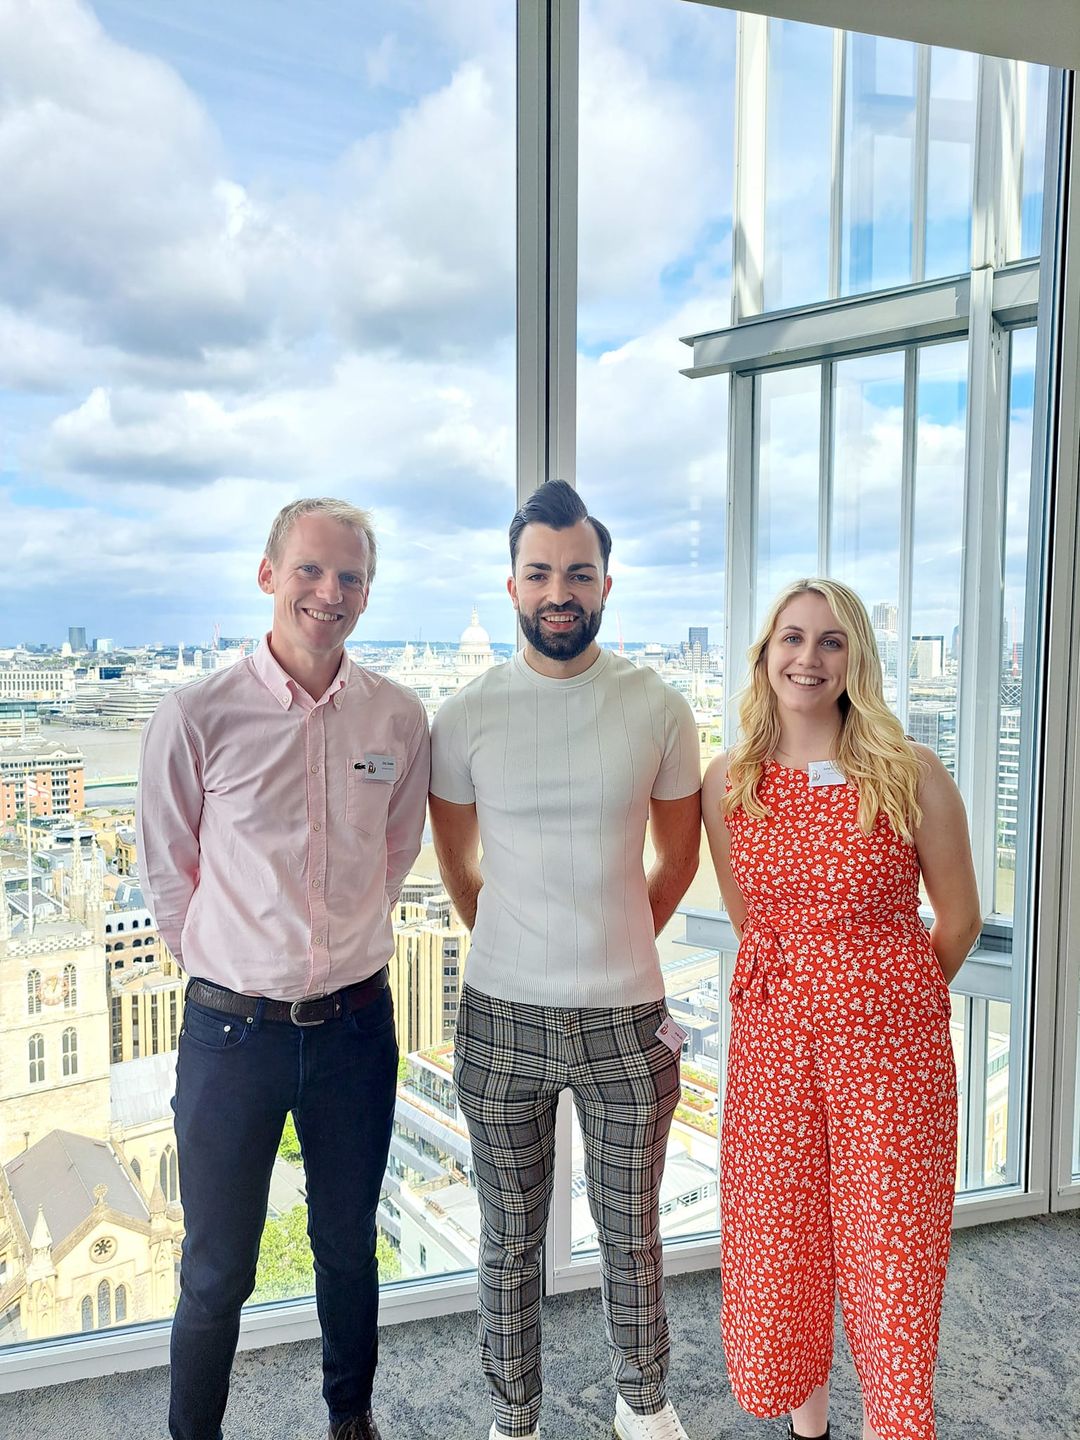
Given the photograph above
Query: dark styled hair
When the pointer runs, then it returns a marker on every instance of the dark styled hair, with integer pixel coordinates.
(557, 505)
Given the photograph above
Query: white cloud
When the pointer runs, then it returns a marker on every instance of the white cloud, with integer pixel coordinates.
(424, 248)
(654, 163)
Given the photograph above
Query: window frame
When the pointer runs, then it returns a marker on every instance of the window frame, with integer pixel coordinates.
(546, 423)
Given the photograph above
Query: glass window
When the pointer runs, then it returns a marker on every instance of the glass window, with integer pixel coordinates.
(168, 1175)
(104, 1305)
(1011, 717)
(36, 1055)
(69, 1044)
(86, 1314)
(868, 458)
(33, 992)
(937, 548)
(799, 164)
(879, 163)
(120, 1310)
(950, 161)
(654, 250)
(71, 987)
(789, 445)
(1034, 89)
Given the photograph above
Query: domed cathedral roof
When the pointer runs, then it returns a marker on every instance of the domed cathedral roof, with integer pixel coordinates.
(474, 636)
(474, 647)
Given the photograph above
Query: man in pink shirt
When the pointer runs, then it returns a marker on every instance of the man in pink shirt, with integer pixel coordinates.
(281, 804)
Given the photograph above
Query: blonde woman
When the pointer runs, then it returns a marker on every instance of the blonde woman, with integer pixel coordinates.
(838, 1148)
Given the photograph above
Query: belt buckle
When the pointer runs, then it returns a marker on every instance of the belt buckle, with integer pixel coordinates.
(305, 1024)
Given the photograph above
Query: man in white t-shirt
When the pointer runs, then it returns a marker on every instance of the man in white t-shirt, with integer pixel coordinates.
(554, 763)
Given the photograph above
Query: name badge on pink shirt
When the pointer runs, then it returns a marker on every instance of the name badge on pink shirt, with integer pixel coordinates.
(378, 767)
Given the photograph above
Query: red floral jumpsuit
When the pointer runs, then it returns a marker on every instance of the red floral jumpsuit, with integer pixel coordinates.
(838, 1146)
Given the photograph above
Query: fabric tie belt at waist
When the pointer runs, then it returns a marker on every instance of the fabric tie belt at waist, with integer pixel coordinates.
(313, 1010)
(761, 961)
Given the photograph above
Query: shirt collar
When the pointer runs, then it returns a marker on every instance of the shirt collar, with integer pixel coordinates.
(285, 689)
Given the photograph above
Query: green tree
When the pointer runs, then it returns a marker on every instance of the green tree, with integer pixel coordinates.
(285, 1269)
(289, 1144)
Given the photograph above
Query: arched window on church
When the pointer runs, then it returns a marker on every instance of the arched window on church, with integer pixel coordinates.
(87, 1311)
(71, 987)
(35, 1048)
(33, 992)
(168, 1175)
(104, 1305)
(120, 1307)
(136, 1170)
(69, 1045)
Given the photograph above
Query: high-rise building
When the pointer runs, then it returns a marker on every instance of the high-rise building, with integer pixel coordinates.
(926, 658)
(77, 638)
(56, 774)
(883, 616)
(698, 647)
(430, 945)
(934, 725)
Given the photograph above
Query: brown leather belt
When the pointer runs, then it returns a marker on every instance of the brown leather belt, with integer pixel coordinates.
(314, 1010)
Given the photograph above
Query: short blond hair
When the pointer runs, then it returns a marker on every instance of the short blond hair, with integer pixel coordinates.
(357, 519)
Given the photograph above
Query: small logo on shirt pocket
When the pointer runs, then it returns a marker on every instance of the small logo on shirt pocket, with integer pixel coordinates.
(367, 792)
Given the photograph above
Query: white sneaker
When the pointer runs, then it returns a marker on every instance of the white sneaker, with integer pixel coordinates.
(664, 1425)
(496, 1434)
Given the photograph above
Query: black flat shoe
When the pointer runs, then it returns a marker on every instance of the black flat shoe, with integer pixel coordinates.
(793, 1434)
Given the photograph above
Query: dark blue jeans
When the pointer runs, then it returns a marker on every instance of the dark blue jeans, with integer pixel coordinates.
(235, 1083)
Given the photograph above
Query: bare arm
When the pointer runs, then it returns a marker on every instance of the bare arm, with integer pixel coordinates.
(675, 831)
(944, 851)
(712, 796)
(456, 833)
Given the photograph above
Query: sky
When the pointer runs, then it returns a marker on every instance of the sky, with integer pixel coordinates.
(254, 251)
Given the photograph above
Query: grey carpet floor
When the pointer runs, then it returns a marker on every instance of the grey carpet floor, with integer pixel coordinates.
(1009, 1368)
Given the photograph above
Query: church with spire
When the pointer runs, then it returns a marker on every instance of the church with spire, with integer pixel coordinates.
(86, 1242)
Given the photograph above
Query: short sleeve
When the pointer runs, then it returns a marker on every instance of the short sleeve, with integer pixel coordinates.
(451, 767)
(680, 769)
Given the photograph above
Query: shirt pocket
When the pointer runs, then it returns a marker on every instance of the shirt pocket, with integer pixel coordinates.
(366, 800)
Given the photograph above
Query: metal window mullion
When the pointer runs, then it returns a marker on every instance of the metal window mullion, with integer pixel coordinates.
(920, 168)
(975, 1117)
(751, 138)
(547, 146)
(826, 451)
(981, 585)
(836, 205)
(962, 1095)
(1056, 453)
(907, 530)
(997, 192)
(739, 600)
(547, 74)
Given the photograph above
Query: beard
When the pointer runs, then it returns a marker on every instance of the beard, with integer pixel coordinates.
(561, 647)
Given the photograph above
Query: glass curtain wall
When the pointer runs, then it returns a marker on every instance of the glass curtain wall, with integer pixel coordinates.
(656, 110)
(890, 444)
(243, 258)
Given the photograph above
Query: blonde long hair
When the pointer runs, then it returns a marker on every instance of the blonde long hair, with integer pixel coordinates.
(872, 752)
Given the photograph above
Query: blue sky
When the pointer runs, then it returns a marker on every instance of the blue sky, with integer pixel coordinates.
(257, 250)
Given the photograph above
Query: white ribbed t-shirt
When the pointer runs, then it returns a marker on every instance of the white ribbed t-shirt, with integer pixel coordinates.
(561, 772)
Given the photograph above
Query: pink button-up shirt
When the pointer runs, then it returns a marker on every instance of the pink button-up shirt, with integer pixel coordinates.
(274, 830)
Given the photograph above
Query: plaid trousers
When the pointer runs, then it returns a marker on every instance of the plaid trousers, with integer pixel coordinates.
(511, 1062)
